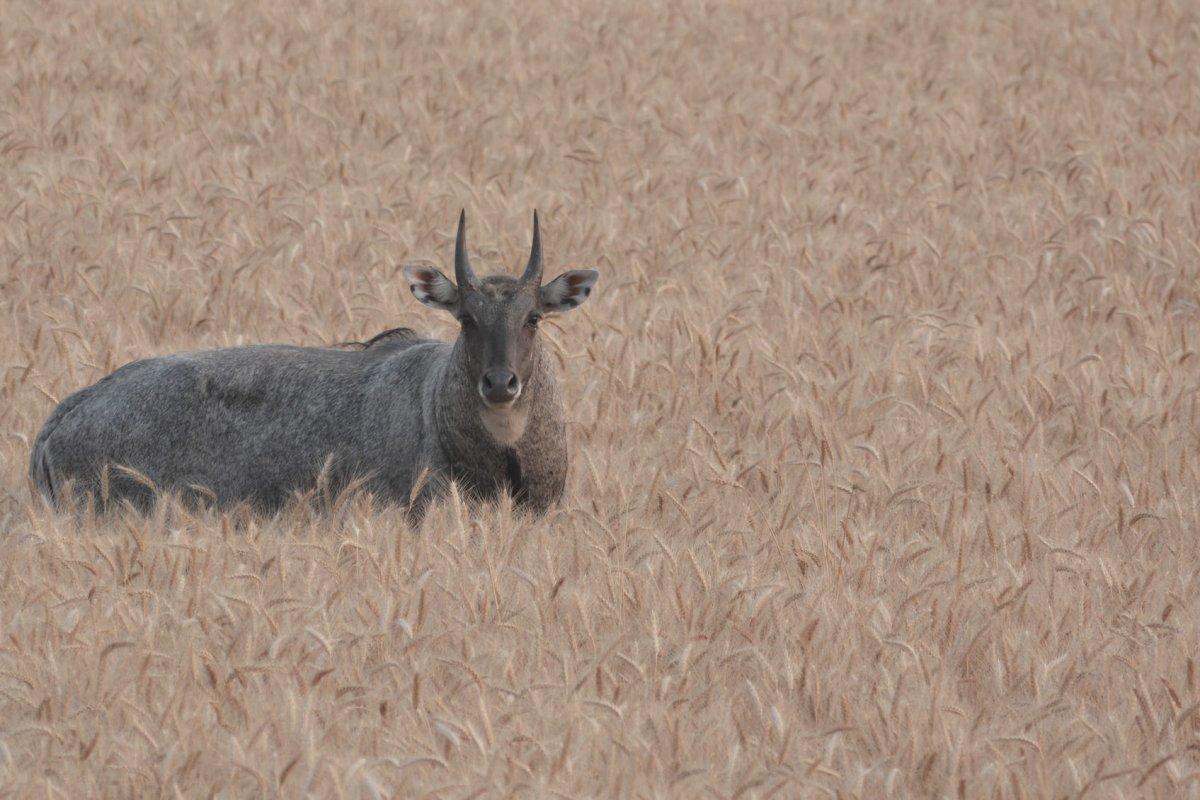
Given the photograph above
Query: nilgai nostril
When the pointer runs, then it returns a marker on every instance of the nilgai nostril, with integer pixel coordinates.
(499, 386)
(259, 424)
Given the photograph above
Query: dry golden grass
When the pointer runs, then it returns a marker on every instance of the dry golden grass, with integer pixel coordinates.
(884, 415)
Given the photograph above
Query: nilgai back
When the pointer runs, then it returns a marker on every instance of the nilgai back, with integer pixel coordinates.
(403, 415)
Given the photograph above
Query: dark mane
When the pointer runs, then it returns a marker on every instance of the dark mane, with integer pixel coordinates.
(391, 335)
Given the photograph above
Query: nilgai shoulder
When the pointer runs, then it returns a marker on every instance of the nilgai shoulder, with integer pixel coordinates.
(404, 415)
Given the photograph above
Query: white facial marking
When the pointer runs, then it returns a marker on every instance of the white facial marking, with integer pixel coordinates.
(568, 290)
(506, 425)
(431, 287)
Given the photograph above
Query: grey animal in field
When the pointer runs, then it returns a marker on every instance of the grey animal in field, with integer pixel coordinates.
(403, 415)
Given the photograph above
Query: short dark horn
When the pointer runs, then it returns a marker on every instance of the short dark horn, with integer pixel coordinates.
(533, 271)
(464, 276)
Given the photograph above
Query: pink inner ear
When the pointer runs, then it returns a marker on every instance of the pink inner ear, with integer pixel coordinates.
(575, 280)
(425, 276)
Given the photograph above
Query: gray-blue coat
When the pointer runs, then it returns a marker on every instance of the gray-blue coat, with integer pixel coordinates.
(259, 424)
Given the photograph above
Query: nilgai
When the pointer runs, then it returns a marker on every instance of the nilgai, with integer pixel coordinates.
(402, 416)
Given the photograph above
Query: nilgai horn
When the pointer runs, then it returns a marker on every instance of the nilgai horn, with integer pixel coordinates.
(404, 415)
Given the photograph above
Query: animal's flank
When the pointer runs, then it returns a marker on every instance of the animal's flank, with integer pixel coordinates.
(231, 396)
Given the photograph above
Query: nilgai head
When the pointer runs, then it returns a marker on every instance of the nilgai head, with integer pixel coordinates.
(499, 315)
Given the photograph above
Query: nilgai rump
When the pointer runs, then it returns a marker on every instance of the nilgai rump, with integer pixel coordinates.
(403, 415)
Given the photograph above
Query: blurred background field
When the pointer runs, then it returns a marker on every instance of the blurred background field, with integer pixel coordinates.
(884, 413)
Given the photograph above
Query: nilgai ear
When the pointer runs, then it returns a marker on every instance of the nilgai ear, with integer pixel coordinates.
(568, 290)
(432, 288)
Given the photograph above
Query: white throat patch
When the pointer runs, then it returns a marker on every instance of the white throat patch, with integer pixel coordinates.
(505, 425)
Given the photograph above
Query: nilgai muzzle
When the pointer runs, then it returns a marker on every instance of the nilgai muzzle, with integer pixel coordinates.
(403, 415)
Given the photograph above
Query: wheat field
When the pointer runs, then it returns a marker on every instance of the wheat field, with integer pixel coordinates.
(884, 419)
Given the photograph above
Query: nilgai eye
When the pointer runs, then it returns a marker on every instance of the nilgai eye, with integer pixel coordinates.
(534, 319)
(466, 321)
